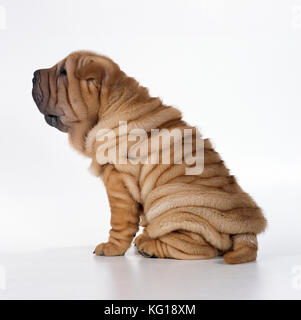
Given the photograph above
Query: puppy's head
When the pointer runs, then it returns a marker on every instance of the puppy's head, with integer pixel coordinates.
(71, 93)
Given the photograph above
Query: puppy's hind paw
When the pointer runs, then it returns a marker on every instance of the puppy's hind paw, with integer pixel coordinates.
(147, 255)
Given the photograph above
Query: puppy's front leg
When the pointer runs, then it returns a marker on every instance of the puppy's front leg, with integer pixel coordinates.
(124, 216)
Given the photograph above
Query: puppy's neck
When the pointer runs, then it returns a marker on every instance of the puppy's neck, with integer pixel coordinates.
(126, 101)
(121, 96)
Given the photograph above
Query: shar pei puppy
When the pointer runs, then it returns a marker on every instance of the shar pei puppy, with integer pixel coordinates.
(186, 213)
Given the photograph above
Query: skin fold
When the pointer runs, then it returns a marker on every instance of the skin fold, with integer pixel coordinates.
(184, 216)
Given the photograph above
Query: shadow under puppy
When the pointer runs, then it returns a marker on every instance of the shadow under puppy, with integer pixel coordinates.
(185, 216)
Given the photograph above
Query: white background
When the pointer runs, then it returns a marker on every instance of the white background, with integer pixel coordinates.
(232, 67)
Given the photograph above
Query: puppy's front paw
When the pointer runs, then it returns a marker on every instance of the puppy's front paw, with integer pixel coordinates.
(109, 249)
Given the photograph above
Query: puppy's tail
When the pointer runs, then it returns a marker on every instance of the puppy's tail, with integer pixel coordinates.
(244, 249)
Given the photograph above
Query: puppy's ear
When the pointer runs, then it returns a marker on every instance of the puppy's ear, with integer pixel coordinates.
(98, 68)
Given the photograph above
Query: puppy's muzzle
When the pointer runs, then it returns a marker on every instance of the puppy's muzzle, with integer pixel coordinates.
(37, 93)
(41, 98)
(36, 76)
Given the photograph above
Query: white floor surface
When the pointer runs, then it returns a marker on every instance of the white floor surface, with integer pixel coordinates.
(75, 273)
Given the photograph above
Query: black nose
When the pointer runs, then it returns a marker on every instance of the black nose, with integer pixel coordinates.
(36, 76)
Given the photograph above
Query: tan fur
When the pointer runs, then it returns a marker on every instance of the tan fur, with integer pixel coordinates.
(185, 217)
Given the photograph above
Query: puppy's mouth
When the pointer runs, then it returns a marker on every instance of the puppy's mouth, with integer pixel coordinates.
(51, 119)
(55, 121)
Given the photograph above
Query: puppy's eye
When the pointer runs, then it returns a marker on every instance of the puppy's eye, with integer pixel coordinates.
(63, 72)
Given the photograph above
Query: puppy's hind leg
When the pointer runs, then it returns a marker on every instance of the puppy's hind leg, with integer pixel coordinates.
(244, 249)
(177, 245)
